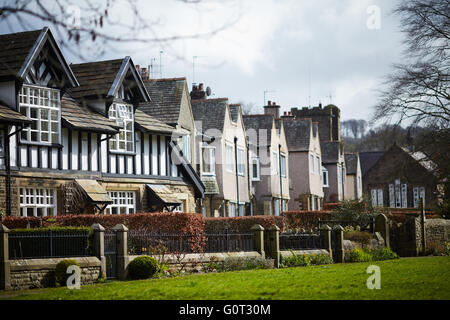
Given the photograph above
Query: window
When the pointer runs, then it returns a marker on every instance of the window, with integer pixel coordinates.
(313, 203)
(404, 196)
(318, 165)
(229, 155)
(232, 210)
(2, 143)
(377, 197)
(391, 196)
(398, 203)
(186, 147)
(37, 202)
(255, 169)
(276, 204)
(43, 107)
(339, 175)
(124, 140)
(418, 193)
(180, 208)
(241, 211)
(274, 163)
(240, 164)
(124, 202)
(283, 166)
(311, 163)
(209, 160)
(325, 177)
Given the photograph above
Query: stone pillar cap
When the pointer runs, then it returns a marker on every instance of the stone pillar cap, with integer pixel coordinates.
(3, 228)
(274, 227)
(97, 227)
(339, 227)
(325, 227)
(257, 227)
(120, 227)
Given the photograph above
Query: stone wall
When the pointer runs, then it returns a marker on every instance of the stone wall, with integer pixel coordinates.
(437, 231)
(40, 273)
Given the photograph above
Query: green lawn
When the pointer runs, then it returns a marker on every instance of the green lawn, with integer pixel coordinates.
(409, 278)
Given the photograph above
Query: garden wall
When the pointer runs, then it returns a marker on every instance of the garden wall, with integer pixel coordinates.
(40, 273)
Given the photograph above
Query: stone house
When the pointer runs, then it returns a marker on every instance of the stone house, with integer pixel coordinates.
(222, 148)
(353, 180)
(305, 163)
(269, 164)
(333, 160)
(73, 139)
(399, 178)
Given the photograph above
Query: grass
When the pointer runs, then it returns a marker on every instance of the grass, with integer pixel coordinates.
(409, 278)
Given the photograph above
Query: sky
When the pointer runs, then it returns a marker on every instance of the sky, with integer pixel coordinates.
(299, 52)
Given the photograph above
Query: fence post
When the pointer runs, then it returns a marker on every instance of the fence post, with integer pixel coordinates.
(258, 239)
(382, 226)
(5, 271)
(325, 234)
(98, 246)
(340, 244)
(274, 237)
(122, 250)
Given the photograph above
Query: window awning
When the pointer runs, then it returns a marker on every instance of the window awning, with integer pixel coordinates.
(161, 196)
(95, 192)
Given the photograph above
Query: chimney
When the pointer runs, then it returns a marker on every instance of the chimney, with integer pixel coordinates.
(272, 109)
(197, 92)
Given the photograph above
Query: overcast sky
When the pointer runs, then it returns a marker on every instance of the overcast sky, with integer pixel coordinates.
(302, 51)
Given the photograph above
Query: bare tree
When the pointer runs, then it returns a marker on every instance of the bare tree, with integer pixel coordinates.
(89, 27)
(247, 108)
(418, 90)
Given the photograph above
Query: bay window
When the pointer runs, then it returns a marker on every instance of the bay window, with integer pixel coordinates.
(283, 166)
(124, 116)
(37, 202)
(311, 163)
(229, 158)
(232, 210)
(274, 163)
(318, 165)
(240, 160)
(186, 147)
(325, 177)
(209, 160)
(124, 202)
(43, 107)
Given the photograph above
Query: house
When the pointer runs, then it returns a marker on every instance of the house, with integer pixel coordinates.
(223, 166)
(305, 163)
(269, 165)
(75, 141)
(353, 180)
(333, 160)
(399, 178)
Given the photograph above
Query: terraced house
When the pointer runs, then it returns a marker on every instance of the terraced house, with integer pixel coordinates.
(223, 153)
(73, 140)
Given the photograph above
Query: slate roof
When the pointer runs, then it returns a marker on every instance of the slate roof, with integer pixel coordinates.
(351, 163)
(368, 160)
(259, 123)
(151, 124)
(211, 114)
(8, 115)
(211, 186)
(298, 134)
(166, 96)
(81, 117)
(95, 78)
(15, 50)
(330, 151)
(422, 158)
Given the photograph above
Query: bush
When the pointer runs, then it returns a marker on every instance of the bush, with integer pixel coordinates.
(360, 212)
(357, 255)
(320, 259)
(61, 274)
(383, 254)
(235, 264)
(241, 224)
(436, 248)
(301, 260)
(304, 219)
(142, 268)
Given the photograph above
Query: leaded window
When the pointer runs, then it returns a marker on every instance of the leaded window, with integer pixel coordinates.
(124, 116)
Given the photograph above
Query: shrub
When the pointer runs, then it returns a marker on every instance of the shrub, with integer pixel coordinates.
(304, 219)
(241, 224)
(239, 263)
(320, 259)
(436, 248)
(383, 254)
(142, 268)
(61, 274)
(360, 212)
(296, 260)
(357, 255)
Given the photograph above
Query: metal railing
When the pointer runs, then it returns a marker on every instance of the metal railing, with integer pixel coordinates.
(144, 243)
(49, 244)
(300, 241)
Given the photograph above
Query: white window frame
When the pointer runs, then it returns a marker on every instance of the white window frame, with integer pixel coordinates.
(241, 209)
(229, 158)
(258, 169)
(276, 207)
(186, 146)
(121, 199)
(123, 114)
(45, 101)
(377, 197)
(311, 163)
(274, 163)
(179, 208)
(283, 165)
(325, 175)
(404, 190)
(232, 209)
(418, 193)
(38, 198)
(318, 164)
(241, 161)
(210, 153)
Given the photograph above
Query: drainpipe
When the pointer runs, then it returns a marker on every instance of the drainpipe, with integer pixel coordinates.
(237, 175)
(248, 175)
(281, 179)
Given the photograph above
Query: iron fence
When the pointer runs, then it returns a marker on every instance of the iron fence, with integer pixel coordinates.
(49, 244)
(145, 243)
(300, 241)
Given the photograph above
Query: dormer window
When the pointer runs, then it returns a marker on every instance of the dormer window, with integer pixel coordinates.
(124, 117)
(43, 107)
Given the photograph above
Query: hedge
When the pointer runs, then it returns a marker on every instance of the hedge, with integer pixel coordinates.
(304, 219)
(241, 224)
(167, 222)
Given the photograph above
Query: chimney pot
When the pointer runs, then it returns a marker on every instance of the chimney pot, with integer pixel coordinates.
(285, 113)
(269, 103)
(200, 87)
(274, 103)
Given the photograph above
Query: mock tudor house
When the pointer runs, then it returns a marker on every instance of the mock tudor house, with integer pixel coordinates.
(305, 163)
(333, 159)
(222, 148)
(269, 165)
(353, 180)
(399, 178)
(74, 141)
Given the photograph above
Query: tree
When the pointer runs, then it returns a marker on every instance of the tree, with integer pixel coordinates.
(418, 90)
(94, 26)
